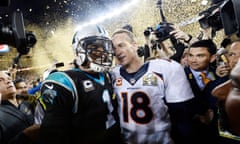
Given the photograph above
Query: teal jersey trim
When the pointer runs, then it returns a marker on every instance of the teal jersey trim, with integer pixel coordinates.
(64, 80)
(100, 80)
(61, 77)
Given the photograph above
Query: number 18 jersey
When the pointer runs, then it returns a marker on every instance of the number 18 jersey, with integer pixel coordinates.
(141, 98)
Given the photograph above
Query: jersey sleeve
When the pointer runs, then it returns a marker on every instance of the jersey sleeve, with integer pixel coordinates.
(57, 95)
(178, 88)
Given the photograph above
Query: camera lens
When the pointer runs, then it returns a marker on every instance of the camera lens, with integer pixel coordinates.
(30, 39)
(146, 33)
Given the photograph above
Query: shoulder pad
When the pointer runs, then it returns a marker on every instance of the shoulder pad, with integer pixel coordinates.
(61, 78)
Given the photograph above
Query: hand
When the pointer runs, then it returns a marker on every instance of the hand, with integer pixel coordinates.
(207, 33)
(178, 34)
(32, 132)
(223, 70)
(206, 118)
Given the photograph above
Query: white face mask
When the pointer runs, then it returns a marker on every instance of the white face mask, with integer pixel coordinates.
(97, 68)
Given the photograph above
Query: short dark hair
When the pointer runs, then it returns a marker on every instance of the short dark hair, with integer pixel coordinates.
(128, 27)
(209, 44)
(16, 81)
(225, 42)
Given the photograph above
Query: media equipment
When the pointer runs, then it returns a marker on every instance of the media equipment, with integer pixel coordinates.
(223, 14)
(15, 34)
(163, 29)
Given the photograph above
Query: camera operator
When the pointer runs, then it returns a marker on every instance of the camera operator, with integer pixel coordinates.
(155, 41)
(151, 47)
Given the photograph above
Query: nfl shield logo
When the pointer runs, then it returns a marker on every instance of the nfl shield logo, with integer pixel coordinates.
(119, 82)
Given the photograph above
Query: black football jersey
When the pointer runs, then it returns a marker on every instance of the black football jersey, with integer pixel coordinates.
(81, 108)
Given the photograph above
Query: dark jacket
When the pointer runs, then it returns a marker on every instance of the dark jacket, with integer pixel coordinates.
(204, 100)
(13, 120)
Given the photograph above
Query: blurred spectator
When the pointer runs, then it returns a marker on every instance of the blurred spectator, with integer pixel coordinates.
(227, 94)
(233, 102)
(183, 60)
(23, 96)
(36, 88)
(16, 120)
(226, 42)
(21, 86)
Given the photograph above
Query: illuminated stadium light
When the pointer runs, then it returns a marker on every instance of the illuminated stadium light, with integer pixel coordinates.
(109, 15)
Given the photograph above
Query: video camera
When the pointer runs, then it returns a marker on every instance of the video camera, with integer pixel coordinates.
(211, 18)
(161, 31)
(223, 14)
(14, 34)
(148, 31)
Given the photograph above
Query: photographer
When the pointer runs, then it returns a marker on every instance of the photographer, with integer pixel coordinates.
(155, 42)
(151, 46)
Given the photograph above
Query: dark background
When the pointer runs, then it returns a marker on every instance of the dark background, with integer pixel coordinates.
(44, 12)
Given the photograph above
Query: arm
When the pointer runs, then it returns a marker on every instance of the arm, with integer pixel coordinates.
(179, 47)
(35, 89)
(179, 98)
(184, 37)
(27, 136)
(56, 124)
(178, 88)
